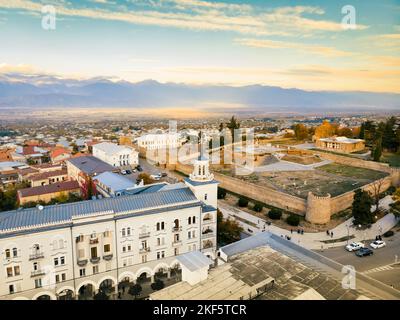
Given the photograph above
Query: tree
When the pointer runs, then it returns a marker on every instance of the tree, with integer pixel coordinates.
(293, 220)
(258, 207)
(300, 131)
(275, 214)
(221, 194)
(228, 230)
(233, 125)
(377, 188)
(395, 206)
(157, 285)
(146, 178)
(101, 295)
(326, 130)
(377, 150)
(243, 202)
(135, 290)
(389, 140)
(361, 209)
(345, 132)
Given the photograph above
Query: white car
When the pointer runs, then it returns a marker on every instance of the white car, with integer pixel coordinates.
(378, 244)
(155, 176)
(123, 172)
(354, 246)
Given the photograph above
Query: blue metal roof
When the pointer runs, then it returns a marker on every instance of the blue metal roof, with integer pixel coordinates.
(199, 183)
(33, 217)
(208, 208)
(114, 181)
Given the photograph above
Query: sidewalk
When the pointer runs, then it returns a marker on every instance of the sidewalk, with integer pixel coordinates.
(313, 240)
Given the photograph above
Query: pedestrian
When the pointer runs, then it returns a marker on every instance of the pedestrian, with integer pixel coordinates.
(291, 230)
(302, 231)
(327, 233)
(298, 231)
(331, 234)
(119, 295)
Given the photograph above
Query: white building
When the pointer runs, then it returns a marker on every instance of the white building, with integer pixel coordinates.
(53, 251)
(116, 155)
(159, 141)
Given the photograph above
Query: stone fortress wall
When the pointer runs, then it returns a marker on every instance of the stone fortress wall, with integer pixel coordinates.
(316, 209)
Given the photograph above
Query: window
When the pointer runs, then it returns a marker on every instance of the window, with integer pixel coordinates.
(11, 289)
(144, 258)
(129, 247)
(189, 235)
(57, 278)
(176, 251)
(35, 266)
(93, 252)
(158, 226)
(38, 283)
(189, 220)
(205, 196)
(17, 271)
(15, 252)
(81, 253)
(194, 219)
(123, 249)
(79, 238)
(56, 261)
(128, 231)
(123, 232)
(63, 276)
(107, 248)
(95, 269)
(8, 253)
(162, 225)
(9, 272)
(82, 272)
(62, 260)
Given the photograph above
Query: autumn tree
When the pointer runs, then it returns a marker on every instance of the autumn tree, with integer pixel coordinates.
(325, 130)
(300, 131)
(146, 178)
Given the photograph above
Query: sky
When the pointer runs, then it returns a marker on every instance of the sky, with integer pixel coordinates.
(291, 44)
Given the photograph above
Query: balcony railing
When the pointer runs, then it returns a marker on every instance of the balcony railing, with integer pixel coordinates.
(144, 250)
(94, 259)
(108, 257)
(176, 229)
(144, 235)
(94, 241)
(36, 273)
(207, 220)
(176, 242)
(37, 255)
(207, 235)
(82, 262)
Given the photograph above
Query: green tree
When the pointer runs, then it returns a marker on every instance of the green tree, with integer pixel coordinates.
(101, 295)
(377, 150)
(146, 178)
(228, 230)
(275, 214)
(361, 209)
(389, 139)
(233, 125)
(243, 202)
(221, 193)
(157, 285)
(135, 290)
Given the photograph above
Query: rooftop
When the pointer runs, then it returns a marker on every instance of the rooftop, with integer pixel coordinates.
(115, 181)
(91, 165)
(341, 140)
(16, 221)
(48, 174)
(110, 148)
(50, 188)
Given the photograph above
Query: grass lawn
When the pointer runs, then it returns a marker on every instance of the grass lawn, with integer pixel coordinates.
(392, 158)
(352, 172)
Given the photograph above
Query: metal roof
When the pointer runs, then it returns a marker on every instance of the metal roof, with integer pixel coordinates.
(199, 183)
(63, 213)
(258, 240)
(114, 181)
(111, 148)
(194, 260)
(91, 165)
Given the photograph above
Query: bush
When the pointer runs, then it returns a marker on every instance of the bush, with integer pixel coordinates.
(275, 214)
(157, 285)
(293, 220)
(243, 202)
(388, 234)
(221, 193)
(258, 207)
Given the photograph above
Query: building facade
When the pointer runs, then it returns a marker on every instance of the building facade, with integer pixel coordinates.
(340, 144)
(116, 155)
(159, 141)
(72, 249)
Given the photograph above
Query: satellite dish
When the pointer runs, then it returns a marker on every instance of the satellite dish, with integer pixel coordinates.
(40, 207)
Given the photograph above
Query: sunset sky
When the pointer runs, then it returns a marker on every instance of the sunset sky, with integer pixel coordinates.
(299, 44)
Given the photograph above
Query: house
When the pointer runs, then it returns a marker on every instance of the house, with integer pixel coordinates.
(59, 155)
(48, 177)
(103, 243)
(116, 155)
(6, 154)
(47, 192)
(340, 144)
(31, 154)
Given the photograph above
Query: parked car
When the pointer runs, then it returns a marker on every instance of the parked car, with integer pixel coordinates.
(139, 168)
(354, 246)
(123, 172)
(249, 230)
(364, 252)
(134, 170)
(155, 176)
(128, 171)
(164, 174)
(378, 244)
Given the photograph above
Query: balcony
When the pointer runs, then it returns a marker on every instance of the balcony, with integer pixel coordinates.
(82, 262)
(37, 273)
(144, 235)
(94, 259)
(176, 229)
(176, 243)
(208, 244)
(94, 241)
(144, 250)
(207, 235)
(108, 257)
(37, 255)
(207, 220)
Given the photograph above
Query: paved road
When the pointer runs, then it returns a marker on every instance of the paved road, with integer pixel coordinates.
(381, 257)
(150, 169)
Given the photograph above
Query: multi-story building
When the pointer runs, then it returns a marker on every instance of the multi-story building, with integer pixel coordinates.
(116, 155)
(77, 248)
(159, 141)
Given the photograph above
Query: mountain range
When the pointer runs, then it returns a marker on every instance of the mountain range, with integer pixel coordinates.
(48, 91)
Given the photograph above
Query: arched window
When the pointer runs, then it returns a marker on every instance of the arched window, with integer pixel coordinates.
(123, 232)
(128, 231)
(15, 252)
(194, 219)
(162, 225)
(189, 220)
(158, 226)
(176, 223)
(8, 253)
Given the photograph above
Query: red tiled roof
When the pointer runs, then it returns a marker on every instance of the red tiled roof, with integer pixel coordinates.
(58, 151)
(50, 188)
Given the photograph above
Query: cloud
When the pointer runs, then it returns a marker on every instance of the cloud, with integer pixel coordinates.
(272, 44)
(201, 15)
